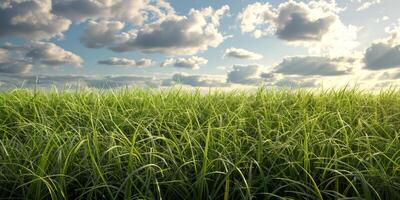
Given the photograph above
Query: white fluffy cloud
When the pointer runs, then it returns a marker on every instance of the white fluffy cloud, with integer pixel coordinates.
(45, 19)
(102, 33)
(242, 54)
(254, 18)
(126, 62)
(20, 59)
(291, 21)
(31, 19)
(314, 24)
(303, 22)
(382, 56)
(384, 53)
(311, 65)
(193, 62)
(136, 12)
(49, 54)
(80, 9)
(245, 74)
(177, 34)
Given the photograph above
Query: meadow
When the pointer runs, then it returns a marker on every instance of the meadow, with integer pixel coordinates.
(174, 144)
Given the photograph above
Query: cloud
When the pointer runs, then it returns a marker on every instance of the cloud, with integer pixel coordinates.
(126, 62)
(292, 83)
(102, 33)
(80, 9)
(118, 61)
(177, 34)
(144, 62)
(382, 19)
(31, 19)
(130, 78)
(271, 79)
(21, 59)
(196, 80)
(314, 24)
(389, 84)
(51, 55)
(47, 54)
(117, 81)
(104, 84)
(268, 76)
(10, 81)
(135, 12)
(193, 62)
(15, 66)
(291, 21)
(382, 56)
(385, 75)
(3, 54)
(295, 23)
(244, 74)
(384, 53)
(8, 64)
(258, 19)
(314, 65)
(241, 54)
(367, 3)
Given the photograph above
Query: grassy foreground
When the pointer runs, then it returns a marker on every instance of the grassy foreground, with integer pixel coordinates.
(144, 144)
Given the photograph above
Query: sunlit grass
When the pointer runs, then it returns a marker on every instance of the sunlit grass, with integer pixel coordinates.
(147, 144)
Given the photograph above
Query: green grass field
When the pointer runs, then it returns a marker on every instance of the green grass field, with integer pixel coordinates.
(149, 144)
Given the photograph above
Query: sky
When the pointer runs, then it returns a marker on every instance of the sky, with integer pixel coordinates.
(200, 43)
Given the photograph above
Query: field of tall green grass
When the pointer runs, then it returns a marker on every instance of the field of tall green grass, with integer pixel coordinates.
(172, 144)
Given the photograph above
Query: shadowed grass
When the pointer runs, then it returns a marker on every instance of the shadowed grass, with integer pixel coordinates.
(145, 144)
